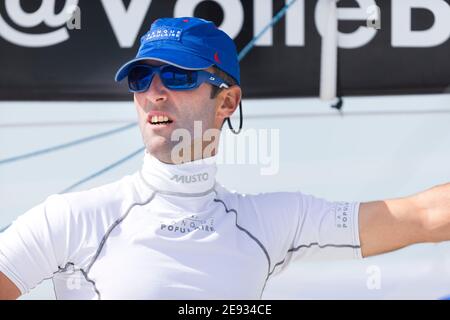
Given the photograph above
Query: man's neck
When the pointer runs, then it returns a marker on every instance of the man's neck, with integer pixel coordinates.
(203, 150)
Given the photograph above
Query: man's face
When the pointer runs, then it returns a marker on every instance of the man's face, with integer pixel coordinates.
(183, 108)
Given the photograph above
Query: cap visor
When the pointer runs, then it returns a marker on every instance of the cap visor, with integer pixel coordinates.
(178, 58)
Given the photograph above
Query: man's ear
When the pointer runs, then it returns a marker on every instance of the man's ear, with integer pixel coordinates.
(228, 101)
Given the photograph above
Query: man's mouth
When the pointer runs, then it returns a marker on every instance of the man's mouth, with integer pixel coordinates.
(159, 120)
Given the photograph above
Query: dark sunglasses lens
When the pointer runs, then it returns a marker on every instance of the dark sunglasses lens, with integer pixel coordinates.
(139, 78)
(178, 79)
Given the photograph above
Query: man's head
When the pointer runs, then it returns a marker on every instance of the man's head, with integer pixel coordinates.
(186, 72)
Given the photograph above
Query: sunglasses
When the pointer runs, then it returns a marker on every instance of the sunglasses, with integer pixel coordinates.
(140, 78)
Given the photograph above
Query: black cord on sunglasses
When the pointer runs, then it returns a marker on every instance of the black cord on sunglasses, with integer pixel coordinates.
(241, 121)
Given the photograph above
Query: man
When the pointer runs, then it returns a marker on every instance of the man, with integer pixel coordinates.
(170, 231)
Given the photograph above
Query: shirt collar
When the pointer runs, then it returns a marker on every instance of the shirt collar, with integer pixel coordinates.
(193, 177)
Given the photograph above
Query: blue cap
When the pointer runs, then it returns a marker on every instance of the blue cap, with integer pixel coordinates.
(188, 43)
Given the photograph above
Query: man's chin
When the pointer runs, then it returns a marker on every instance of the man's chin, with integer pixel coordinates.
(160, 147)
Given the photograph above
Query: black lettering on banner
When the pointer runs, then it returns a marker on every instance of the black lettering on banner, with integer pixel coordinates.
(113, 29)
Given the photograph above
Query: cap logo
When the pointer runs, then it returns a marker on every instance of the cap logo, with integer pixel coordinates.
(216, 58)
(164, 33)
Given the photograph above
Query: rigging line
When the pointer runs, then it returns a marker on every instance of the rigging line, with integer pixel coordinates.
(63, 123)
(274, 20)
(65, 145)
(102, 171)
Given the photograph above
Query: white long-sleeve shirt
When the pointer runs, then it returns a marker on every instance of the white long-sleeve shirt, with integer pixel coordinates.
(172, 232)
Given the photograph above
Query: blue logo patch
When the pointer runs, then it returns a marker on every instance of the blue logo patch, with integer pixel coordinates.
(164, 33)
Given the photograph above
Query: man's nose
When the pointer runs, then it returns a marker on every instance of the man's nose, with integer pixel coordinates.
(157, 92)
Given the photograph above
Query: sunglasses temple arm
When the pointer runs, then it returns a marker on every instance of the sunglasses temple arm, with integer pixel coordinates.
(213, 79)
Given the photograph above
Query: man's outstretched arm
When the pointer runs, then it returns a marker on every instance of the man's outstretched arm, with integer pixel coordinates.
(393, 224)
(8, 290)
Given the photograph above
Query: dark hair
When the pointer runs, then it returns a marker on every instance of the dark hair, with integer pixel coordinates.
(228, 79)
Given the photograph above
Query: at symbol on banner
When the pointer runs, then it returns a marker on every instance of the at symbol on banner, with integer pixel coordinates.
(68, 18)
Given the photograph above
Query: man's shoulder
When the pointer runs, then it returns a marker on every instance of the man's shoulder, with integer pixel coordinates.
(261, 201)
(262, 197)
(107, 197)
